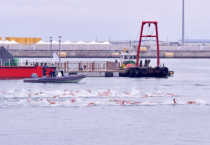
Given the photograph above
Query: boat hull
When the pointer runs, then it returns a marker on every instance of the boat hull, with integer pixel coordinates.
(22, 71)
(63, 79)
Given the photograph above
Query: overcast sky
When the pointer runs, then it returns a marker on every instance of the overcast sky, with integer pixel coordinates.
(83, 20)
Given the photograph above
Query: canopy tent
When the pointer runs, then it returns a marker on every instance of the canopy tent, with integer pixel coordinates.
(67, 42)
(106, 43)
(13, 42)
(42, 43)
(54, 42)
(6, 42)
(93, 43)
(80, 42)
(5, 56)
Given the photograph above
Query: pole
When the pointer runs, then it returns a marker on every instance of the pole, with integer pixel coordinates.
(157, 40)
(139, 47)
(183, 24)
(59, 52)
(51, 55)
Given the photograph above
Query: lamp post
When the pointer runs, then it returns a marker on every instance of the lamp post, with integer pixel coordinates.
(51, 51)
(59, 52)
(51, 47)
(183, 23)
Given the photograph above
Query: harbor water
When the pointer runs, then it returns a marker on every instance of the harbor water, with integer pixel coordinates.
(28, 118)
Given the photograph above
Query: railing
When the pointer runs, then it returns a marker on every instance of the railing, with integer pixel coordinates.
(77, 65)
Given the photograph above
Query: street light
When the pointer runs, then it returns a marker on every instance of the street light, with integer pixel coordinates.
(51, 51)
(51, 47)
(183, 24)
(59, 52)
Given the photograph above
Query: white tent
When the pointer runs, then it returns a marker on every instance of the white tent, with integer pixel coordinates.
(41, 42)
(13, 42)
(6, 42)
(106, 43)
(67, 42)
(93, 43)
(54, 42)
(80, 42)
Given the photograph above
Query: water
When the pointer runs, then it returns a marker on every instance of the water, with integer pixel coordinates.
(156, 120)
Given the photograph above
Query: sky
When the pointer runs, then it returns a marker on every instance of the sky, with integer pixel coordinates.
(90, 20)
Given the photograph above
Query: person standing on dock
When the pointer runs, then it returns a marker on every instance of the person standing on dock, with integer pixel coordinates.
(55, 72)
(44, 72)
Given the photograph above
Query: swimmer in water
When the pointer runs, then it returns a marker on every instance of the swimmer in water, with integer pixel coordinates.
(91, 103)
(174, 101)
(129, 102)
(170, 94)
(145, 96)
(71, 94)
(88, 90)
(72, 100)
(51, 102)
(56, 96)
(39, 100)
(29, 95)
(189, 102)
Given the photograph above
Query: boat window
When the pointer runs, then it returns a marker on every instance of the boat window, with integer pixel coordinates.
(126, 57)
(134, 57)
(130, 57)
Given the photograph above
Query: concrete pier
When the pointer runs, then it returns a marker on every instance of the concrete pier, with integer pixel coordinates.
(177, 51)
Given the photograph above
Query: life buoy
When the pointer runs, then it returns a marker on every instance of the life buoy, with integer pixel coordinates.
(164, 70)
(157, 69)
(144, 71)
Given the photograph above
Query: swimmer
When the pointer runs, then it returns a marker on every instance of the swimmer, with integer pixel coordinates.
(29, 95)
(91, 103)
(129, 102)
(88, 91)
(191, 102)
(56, 96)
(71, 94)
(72, 100)
(174, 101)
(170, 94)
(127, 93)
(51, 102)
(39, 100)
(29, 100)
(36, 94)
(145, 96)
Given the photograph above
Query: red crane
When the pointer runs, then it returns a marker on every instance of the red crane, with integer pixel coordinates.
(141, 35)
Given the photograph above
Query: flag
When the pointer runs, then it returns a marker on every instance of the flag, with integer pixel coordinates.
(55, 56)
